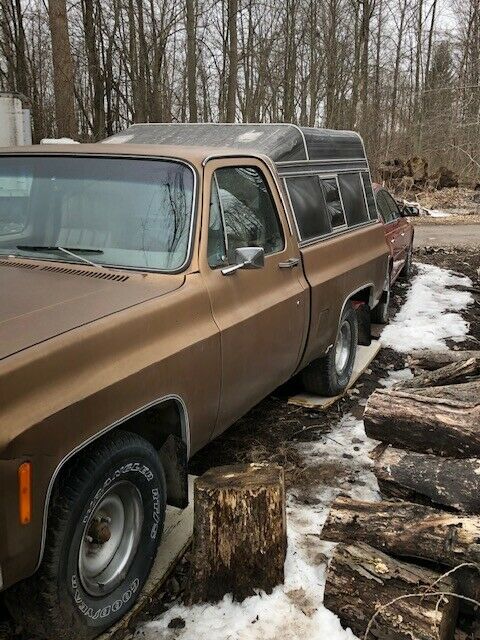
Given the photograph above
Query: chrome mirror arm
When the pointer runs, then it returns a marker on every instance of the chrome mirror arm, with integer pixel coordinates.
(234, 267)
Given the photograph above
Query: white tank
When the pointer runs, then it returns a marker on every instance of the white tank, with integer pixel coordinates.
(15, 126)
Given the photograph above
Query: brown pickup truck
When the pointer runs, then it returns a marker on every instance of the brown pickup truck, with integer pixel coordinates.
(153, 289)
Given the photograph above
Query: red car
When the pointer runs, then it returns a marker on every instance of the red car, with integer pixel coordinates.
(399, 238)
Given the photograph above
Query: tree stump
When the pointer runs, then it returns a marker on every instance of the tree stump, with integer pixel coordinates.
(431, 480)
(361, 579)
(240, 538)
(405, 529)
(442, 420)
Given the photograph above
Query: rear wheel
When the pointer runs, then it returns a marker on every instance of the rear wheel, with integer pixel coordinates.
(380, 313)
(105, 522)
(330, 375)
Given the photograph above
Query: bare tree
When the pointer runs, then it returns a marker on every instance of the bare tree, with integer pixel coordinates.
(63, 74)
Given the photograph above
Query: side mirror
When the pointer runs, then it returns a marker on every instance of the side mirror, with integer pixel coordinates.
(409, 210)
(246, 258)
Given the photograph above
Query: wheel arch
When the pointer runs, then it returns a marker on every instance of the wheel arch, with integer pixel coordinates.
(140, 422)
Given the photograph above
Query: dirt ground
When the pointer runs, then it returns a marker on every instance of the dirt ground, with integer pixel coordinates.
(270, 431)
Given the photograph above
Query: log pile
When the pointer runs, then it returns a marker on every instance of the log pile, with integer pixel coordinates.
(388, 574)
(414, 174)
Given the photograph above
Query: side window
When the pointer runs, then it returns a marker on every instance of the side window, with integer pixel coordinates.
(217, 249)
(367, 185)
(384, 207)
(308, 205)
(334, 203)
(353, 198)
(249, 213)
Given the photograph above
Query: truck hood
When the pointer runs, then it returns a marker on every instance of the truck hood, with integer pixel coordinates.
(39, 301)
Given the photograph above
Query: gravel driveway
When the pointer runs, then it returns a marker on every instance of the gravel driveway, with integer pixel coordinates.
(446, 235)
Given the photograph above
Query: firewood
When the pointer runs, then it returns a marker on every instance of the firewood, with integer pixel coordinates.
(428, 479)
(431, 360)
(405, 529)
(442, 420)
(361, 580)
(240, 537)
(468, 585)
(454, 372)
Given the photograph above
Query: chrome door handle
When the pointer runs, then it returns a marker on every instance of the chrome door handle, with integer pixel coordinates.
(290, 263)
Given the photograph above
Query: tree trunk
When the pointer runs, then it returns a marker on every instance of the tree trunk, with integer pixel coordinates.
(239, 532)
(431, 480)
(94, 70)
(431, 360)
(405, 529)
(361, 579)
(440, 420)
(191, 23)
(62, 70)
(449, 374)
(232, 60)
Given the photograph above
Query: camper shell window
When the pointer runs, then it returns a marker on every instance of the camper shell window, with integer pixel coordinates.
(326, 204)
(308, 204)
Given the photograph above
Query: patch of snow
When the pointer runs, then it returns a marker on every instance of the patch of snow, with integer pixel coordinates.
(118, 139)
(294, 611)
(430, 314)
(58, 141)
(437, 213)
(347, 447)
(396, 376)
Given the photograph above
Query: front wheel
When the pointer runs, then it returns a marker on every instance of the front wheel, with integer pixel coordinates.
(330, 375)
(105, 522)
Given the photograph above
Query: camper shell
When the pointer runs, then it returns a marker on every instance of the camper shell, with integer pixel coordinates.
(317, 168)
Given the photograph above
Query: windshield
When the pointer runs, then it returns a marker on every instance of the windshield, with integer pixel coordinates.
(132, 212)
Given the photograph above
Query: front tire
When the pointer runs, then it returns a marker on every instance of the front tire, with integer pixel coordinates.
(330, 375)
(105, 522)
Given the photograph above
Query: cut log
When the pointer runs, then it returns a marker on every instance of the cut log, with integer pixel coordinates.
(405, 529)
(240, 537)
(468, 585)
(419, 477)
(431, 360)
(449, 374)
(361, 580)
(441, 420)
(417, 167)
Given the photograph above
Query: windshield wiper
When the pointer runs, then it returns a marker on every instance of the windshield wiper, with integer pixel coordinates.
(70, 251)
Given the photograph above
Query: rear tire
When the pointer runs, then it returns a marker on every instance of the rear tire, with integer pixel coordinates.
(380, 313)
(330, 375)
(105, 522)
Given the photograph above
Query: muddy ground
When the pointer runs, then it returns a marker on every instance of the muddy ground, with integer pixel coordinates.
(270, 431)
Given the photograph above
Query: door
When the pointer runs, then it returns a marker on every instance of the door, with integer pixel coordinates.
(390, 215)
(401, 236)
(262, 314)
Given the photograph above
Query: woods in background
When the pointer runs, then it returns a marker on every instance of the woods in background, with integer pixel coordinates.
(405, 73)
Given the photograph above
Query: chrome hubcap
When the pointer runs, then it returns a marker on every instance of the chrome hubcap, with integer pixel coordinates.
(343, 346)
(110, 539)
